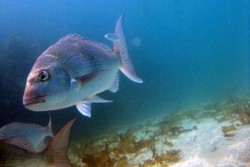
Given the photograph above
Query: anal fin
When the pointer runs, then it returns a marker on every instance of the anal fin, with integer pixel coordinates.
(115, 86)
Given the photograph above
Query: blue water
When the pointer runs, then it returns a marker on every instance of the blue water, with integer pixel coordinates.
(190, 52)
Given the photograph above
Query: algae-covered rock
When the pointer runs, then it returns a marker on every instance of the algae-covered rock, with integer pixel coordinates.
(227, 129)
(244, 118)
(241, 150)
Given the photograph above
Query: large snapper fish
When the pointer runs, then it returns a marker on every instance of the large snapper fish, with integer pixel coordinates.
(73, 70)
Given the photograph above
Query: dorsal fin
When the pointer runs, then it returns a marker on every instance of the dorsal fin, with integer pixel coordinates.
(71, 37)
(58, 147)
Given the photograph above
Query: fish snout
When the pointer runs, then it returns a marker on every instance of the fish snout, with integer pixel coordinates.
(32, 97)
(33, 100)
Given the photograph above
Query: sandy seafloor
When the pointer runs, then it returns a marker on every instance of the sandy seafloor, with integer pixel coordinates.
(217, 134)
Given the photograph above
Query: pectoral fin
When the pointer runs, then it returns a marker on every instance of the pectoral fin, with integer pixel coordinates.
(84, 107)
(88, 77)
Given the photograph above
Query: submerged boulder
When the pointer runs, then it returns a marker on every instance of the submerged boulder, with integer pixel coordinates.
(241, 150)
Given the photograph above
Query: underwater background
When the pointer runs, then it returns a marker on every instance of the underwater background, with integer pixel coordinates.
(186, 52)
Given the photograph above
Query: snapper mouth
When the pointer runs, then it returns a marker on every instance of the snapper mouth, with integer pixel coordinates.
(34, 100)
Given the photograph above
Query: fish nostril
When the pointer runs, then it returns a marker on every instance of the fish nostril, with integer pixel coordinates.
(30, 83)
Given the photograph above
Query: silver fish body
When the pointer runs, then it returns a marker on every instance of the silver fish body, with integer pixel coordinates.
(54, 155)
(66, 62)
(75, 69)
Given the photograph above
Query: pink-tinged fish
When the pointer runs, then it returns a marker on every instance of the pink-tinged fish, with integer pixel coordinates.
(73, 70)
(36, 134)
(18, 151)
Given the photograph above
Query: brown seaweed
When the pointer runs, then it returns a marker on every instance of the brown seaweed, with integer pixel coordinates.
(169, 157)
(144, 143)
(226, 129)
(244, 118)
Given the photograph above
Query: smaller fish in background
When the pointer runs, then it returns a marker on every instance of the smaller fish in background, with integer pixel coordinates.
(16, 151)
(112, 37)
(36, 134)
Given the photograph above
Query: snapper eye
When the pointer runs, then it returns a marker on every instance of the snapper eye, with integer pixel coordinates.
(43, 76)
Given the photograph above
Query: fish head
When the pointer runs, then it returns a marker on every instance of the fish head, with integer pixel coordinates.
(47, 86)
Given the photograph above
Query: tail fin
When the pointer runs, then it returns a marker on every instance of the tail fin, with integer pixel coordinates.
(58, 147)
(120, 48)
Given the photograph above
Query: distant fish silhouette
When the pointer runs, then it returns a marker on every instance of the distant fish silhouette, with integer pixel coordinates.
(112, 37)
(34, 133)
(17, 151)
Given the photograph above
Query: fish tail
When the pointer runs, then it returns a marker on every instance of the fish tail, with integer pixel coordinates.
(120, 48)
(57, 149)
